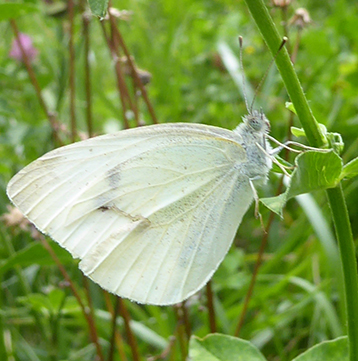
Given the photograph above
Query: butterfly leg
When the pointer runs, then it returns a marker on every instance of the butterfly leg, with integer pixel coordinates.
(257, 201)
(290, 142)
(274, 160)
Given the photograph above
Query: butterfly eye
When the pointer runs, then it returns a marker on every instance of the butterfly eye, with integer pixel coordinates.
(255, 123)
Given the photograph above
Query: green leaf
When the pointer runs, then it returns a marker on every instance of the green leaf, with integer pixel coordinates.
(291, 107)
(275, 204)
(35, 253)
(147, 334)
(314, 170)
(350, 170)
(335, 141)
(36, 301)
(51, 302)
(142, 331)
(298, 132)
(327, 351)
(12, 10)
(276, 168)
(56, 297)
(98, 7)
(217, 347)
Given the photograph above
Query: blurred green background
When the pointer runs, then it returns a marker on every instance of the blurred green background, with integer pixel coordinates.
(186, 46)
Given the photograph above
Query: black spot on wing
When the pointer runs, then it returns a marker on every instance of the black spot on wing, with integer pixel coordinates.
(104, 208)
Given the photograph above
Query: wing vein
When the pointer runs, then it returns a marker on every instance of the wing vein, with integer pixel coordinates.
(194, 252)
(198, 203)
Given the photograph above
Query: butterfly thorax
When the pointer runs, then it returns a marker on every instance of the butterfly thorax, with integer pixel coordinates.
(252, 131)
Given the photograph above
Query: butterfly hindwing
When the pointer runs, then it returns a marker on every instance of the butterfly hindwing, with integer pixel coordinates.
(151, 212)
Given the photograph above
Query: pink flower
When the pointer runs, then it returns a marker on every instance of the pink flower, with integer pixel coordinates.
(26, 43)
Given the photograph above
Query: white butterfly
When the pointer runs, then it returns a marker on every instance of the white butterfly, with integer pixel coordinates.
(152, 211)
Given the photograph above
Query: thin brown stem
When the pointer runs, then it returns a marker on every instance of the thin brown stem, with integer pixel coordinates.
(115, 43)
(133, 69)
(211, 309)
(50, 115)
(184, 310)
(117, 336)
(296, 46)
(29, 67)
(86, 33)
(284, 14)
(166, 352)
(136, 94)
(85, 311)
(115, 39)
(257, 265)
(90, 309)
(254, 275)
(71, 12)
(181, 335)
(119, 76)
(114, 327)
(131, 339)
(172, 355)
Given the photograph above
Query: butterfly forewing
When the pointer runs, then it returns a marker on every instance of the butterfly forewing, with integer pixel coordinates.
(150, 212)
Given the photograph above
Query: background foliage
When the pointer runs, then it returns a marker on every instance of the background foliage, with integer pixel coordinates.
(297, 300)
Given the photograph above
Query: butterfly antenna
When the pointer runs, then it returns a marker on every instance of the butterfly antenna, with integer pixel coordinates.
(243, 76)
(284, 41)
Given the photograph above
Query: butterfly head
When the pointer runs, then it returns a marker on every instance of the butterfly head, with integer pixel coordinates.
(257, 121)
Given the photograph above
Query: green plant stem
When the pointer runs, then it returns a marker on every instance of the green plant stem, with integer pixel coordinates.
(273, 40)
(315, 138)
(349, 263)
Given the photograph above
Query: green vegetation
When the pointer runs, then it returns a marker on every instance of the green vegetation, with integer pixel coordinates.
(190, 51)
